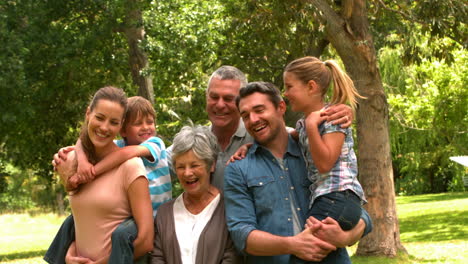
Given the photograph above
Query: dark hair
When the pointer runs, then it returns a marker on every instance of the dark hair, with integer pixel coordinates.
(109, 93)
(267, 88)
(323, 72)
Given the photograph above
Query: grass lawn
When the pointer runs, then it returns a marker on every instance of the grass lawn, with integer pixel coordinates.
(434, 229)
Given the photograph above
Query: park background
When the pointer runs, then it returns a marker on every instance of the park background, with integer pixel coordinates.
(407, 57)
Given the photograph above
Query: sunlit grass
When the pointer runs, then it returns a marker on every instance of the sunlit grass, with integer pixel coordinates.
(25, 238)
(434, 230)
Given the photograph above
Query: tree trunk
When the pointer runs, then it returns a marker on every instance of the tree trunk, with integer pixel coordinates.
(348, 32)
(138, 59)
(60, 205)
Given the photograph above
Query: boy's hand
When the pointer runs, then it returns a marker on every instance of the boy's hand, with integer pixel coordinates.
(339, 114)
(240, 153)
(85, 172)
(72, 183)
(61, 156)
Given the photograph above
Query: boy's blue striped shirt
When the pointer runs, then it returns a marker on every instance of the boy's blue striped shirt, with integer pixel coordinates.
(157, 171)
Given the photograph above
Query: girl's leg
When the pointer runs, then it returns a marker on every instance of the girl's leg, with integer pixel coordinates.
(345, 208)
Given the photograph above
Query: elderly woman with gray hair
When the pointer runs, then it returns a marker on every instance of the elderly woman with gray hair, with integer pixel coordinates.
(192, 227)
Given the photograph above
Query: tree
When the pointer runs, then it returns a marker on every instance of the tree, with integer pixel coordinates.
(55, 54)
(348, 31)
(137, 57)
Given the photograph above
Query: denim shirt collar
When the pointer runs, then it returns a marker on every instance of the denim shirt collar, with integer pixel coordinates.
(292, 149)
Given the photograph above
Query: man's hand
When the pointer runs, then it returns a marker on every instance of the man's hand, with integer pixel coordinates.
(339, 114)
(61, 156)
(309, 247)
(330, 231)
(240, 153)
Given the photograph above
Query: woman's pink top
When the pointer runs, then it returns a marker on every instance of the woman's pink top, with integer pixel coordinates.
(101, 205)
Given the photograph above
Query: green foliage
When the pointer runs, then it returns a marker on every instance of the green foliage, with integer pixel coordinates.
(58, 54)
(436, 19)
(17, 194)
(55, 54)
(182, 40)
(428, 121)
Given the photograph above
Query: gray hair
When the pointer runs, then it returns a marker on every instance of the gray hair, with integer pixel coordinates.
(200, 140)
(227, 72)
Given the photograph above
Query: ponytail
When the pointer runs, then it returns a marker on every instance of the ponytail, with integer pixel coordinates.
(343, 87)
(311, 68)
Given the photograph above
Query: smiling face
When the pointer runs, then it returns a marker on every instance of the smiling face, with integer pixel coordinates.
(221, 102)
(262, 119)
(297, 92)
(104, 123)
(139, 130)
(193, 173)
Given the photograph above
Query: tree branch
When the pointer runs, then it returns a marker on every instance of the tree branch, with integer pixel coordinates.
(401, 13)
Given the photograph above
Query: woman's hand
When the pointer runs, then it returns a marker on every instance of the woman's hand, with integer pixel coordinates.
(73, 258)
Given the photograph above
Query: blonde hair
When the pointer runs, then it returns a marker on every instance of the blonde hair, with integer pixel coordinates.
(313, 69)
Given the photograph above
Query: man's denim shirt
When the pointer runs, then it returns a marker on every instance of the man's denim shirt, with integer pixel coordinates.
(257, 196)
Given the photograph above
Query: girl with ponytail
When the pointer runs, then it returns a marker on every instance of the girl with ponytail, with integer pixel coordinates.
(327, 148)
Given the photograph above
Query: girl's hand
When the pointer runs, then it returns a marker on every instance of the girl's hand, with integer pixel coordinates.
(240, 153)
(314, 119)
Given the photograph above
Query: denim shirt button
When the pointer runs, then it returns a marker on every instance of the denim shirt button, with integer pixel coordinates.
(260, 183)
(286, 198)
(298, 209)
(292, 187)
(289, 219)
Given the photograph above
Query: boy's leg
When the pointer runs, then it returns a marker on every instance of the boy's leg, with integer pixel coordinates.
(122, 242)
(62, 241)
